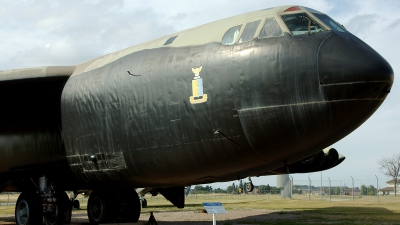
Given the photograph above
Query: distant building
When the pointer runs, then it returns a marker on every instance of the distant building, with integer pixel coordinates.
(389, 189)
(304, 189)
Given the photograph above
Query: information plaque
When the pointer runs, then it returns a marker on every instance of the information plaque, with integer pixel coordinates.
(214, 207)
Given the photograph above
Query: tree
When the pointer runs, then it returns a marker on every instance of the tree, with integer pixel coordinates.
(337, 191)
(364, 190)
(390, 166)
(219, 190)
(232, 189)
(203, 190)
(371, 190)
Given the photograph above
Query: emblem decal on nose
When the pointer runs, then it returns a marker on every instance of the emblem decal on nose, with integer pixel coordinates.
(197, 88)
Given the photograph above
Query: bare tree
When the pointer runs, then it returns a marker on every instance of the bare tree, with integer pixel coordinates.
(390, 166)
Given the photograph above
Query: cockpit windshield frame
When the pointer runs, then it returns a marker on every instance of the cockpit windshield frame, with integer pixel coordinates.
(329, 22)
(301, 22)
(316, 17)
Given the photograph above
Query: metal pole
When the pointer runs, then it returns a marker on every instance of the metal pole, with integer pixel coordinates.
(214, 221)
(291, 187)
(8, 201)
(352, 191)
(320, 189)
(330, 196)
(377, 194)
(309, 188)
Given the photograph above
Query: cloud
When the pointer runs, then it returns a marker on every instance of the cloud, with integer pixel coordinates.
(87, 29)
(361, 25)
(75, 34)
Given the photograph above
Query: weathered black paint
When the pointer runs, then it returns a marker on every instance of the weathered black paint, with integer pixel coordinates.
(274, 101)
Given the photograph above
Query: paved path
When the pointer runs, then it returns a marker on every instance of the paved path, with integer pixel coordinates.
(234, 217)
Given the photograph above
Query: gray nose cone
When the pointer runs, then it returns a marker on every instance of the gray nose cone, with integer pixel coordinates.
(343, 58)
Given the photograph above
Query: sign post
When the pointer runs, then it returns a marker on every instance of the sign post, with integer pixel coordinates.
(214, 208)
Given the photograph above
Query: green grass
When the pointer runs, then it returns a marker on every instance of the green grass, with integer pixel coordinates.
(364, 210)
(299, 210)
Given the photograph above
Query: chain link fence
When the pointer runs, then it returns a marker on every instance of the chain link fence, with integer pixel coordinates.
(327, 189)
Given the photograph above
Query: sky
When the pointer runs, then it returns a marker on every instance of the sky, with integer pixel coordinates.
(56, 33)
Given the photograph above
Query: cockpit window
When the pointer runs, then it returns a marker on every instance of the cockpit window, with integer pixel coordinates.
(231, 35)
(301, 23)
(249, 31)
(170, 40)
(270, 29)
(329, 22)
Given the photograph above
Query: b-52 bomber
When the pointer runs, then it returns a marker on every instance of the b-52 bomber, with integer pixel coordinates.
(257, 94)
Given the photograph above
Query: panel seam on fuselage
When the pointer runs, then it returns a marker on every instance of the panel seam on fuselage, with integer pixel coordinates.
(308, 103)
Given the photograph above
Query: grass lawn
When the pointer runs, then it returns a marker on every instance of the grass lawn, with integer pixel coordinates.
(299, 210)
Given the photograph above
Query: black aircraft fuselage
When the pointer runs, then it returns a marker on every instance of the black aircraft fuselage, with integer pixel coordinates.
(166, 117)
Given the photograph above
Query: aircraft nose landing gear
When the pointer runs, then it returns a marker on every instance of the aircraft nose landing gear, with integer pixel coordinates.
(249, 186)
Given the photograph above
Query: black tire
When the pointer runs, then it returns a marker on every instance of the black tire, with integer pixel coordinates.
(98, 208)
(127, 206)
(67, 207)
(77, 204)
(62, 210)
(28, 209)
(249, 187)
(52, 218)
(144, 202)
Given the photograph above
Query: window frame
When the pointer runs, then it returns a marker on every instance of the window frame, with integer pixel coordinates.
(236, 40)
(171, 39)
(280, 27)
(256, 31)
(310, 15)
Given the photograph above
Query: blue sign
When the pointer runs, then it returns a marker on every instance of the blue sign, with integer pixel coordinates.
(214, 207)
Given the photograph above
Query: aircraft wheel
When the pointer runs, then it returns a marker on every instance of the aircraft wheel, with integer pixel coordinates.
(249, 187)
(28, 209)
(51, 218)
(144, 202)
(127, 206)
(61, 214)
(66, 207)
(98, 208)
(77, 204)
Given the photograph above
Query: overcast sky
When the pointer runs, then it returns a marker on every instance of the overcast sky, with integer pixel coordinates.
(46, 33)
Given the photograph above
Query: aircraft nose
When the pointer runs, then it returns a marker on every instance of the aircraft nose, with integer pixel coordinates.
(346, 61)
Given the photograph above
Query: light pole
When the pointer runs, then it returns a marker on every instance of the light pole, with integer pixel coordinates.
(330, 196)
(291, 187)
(377, 194)
(352, 191)
(320, 189)
(309, 187)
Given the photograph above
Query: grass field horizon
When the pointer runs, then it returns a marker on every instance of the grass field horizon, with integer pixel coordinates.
(340, 210)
